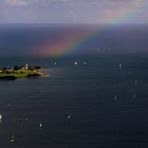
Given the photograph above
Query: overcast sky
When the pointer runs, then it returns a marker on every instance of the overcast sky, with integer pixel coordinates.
(73, 11)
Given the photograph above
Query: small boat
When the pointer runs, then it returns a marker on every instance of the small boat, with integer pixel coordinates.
(69, 116)
(115, 98)
(13, 139)
(1, 117)
(41, 125)
(120, 66)
(76, 63)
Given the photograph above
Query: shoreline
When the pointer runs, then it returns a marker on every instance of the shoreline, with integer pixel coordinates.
(11, 74)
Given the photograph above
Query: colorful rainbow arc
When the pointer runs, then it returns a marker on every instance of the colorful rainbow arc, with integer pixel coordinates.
(72, 41)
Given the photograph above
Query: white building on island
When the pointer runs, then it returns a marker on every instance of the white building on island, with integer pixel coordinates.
(26, 66)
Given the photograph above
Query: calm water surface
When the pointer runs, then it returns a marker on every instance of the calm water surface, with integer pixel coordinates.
(107, 104)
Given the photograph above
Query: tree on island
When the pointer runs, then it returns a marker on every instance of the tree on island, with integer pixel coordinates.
(29, 67)
(16, 67)
(34, 67)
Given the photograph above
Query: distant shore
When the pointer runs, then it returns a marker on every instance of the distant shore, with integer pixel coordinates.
(23, 72)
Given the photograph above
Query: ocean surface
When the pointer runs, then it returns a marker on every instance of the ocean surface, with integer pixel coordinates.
(100, 102)
(28, 40)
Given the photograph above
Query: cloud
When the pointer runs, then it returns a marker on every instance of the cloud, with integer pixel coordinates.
(67, 2)
(16, 2)
(67, 11)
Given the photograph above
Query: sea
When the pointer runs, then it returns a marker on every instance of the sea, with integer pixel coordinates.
(99, 102)
(85, 101)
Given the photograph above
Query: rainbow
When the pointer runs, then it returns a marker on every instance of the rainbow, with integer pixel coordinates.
(73, 40)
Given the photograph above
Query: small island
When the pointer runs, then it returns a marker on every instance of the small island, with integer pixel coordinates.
(22, 71)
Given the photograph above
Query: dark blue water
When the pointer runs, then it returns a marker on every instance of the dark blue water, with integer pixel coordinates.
(108, 104)
(27, 40)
